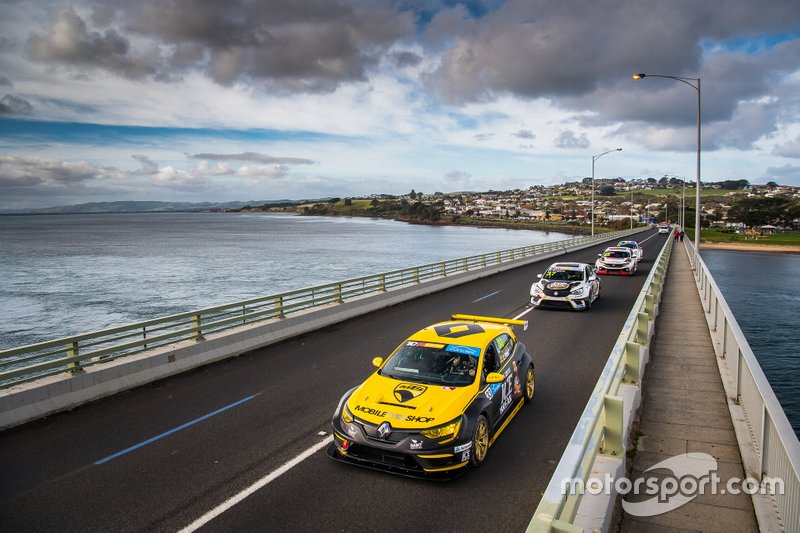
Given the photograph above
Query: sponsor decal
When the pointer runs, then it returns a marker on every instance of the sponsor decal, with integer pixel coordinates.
(415, 444)
(463, 447)
(465, 456)
(408, 391)
(558, 285)
(351, 430)
(464, 350)
(425, 344)
(393, 416)
(448, 388)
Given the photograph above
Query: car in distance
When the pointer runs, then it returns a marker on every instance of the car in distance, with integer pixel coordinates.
(638, 251)
(616, 260)
(664, 228)
(438, 402)
(566, 286)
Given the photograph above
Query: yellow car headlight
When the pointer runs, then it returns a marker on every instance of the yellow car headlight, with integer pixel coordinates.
(445, 430)
(346, 416)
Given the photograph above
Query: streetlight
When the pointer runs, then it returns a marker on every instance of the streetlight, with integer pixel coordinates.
(595, 158)
(687, 81)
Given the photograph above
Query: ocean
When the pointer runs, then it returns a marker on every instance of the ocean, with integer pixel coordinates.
(763, 292)
(68, 274)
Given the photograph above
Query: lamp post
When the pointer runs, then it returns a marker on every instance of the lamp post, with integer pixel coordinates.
(595, 158)
(688, 81)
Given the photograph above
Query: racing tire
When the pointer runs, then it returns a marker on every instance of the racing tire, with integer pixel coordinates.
(480, 442)
(530, 384)
(587, 303)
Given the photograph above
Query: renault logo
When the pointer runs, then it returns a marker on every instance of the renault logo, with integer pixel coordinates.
(384, 430)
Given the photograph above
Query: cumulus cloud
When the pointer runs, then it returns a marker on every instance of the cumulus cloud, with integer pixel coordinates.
(785, 172)
(70, 42)
(253, 157)
(25, 173)
(14, 105)
(149, 167)
(788, 149)
(568, 139)
(524, 134)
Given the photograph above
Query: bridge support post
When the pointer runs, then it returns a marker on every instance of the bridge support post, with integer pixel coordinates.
(643, 328)
(612, 426)
(198, 333)
(632, 363)
(72, 351)
(278, 306)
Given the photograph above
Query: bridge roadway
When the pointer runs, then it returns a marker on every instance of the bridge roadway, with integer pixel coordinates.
(50, 480)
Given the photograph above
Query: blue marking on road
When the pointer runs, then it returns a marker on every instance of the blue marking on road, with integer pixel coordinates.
(488, 296)
(175, 430)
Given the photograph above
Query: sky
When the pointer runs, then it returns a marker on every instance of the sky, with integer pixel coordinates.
(201, 100)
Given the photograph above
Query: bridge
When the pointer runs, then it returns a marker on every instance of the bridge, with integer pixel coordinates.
(237, 444)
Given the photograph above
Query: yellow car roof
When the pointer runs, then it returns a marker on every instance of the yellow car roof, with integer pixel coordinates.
(466, 333)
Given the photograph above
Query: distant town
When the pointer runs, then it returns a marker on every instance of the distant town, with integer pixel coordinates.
(618, 203)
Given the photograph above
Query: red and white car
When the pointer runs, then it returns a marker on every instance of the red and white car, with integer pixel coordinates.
(637, 250)
(616, 260)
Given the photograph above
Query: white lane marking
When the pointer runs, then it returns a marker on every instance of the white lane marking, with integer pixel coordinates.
(650, 237)
(487, 296)
(260, 484)
(523, 313)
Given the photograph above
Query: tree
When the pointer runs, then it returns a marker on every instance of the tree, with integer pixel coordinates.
(607, 190)
(348, 201)
(761, 211)
(771, 184)
(412, 194)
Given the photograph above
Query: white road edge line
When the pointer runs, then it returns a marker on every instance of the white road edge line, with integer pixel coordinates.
(260, 484)
(523, 313)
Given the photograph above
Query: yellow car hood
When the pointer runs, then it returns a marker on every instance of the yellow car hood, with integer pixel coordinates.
(406, 404)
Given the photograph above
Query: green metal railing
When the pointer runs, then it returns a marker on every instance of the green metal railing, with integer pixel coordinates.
(600, 428)
(70, 354)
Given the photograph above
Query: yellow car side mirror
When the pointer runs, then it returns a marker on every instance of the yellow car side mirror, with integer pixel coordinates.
(377, 362)
(495, 377)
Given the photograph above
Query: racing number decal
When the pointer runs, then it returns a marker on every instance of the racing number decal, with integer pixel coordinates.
(508, 387)
(455, 331)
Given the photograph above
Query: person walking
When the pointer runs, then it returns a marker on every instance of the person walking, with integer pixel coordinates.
(677, 234)
(682, 234)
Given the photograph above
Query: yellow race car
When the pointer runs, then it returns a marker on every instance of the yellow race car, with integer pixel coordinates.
(436, 405)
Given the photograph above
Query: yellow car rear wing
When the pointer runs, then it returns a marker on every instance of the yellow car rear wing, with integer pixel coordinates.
(492, 320)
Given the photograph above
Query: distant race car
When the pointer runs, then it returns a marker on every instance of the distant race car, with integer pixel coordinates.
(638, 251)
(664, 228)
(616, 260)
(438, 402)
(566, 285)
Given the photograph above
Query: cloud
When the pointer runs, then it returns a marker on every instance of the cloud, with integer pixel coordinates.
(567, 139)
(524, 134)
(299, 46)
(71, 43)
(38, 176)
(149, 167)
(458, 180)
(14, 105)
(5, 82)
(788, 149)
(252, 157)
(785, 172)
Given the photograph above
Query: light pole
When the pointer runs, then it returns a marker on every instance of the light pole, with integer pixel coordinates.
(631, 215)
(687, 81)
(595, 158)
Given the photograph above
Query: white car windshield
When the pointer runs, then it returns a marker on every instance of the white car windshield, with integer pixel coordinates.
(563, 275)
(617, 254)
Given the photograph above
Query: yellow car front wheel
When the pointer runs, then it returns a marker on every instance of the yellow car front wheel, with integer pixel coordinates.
(480, 440)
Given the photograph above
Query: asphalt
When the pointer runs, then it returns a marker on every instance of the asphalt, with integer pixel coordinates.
(288, 392)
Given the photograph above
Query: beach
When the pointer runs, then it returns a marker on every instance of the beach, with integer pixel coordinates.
(750, 247)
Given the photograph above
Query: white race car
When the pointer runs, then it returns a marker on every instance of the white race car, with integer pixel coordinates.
(664, 228)
(636, 250)
(566, 285)
(616, 260)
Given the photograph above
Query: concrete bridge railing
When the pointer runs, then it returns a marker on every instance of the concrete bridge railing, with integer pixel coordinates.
(598, 445)
(768, 444)
(47, 377)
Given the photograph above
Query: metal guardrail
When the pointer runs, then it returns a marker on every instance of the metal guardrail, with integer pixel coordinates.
(771, 434)
(70, 354)
(600, 428)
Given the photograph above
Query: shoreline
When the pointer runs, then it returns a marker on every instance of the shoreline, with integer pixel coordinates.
(750, 247)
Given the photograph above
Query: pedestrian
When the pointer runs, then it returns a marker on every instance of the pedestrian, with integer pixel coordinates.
(682, 234)
(677, 234)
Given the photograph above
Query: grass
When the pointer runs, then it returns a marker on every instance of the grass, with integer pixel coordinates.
(690, 192)
(790, 238)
